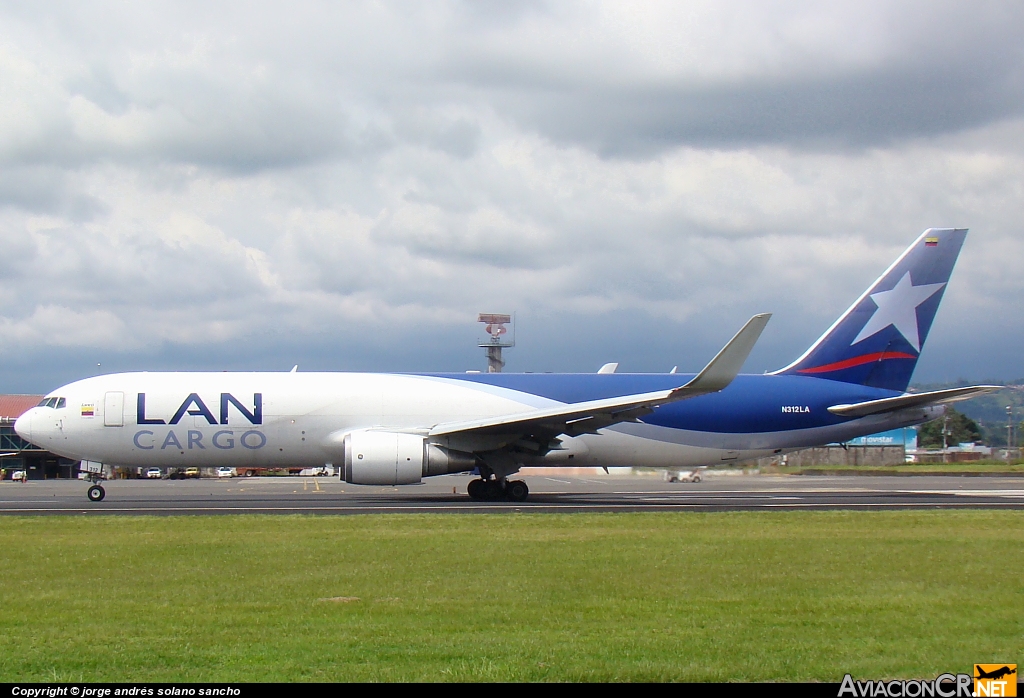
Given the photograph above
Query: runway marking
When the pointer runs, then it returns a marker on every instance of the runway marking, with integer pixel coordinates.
(894, 505)
(30, 501)
(725, 495)
(976, 493)
(819, 490)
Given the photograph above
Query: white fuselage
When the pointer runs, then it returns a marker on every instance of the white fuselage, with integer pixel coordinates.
(288, 420)
(298, 412)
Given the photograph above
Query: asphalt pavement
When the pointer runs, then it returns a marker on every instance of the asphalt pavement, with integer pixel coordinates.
(447, 494)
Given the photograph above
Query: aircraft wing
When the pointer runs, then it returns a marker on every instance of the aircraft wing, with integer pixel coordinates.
(587, 417)
(901, 402)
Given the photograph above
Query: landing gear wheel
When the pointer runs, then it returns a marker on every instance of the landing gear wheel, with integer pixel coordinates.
(493, 491)
(517, 491)
(487, 490)
(96, 493)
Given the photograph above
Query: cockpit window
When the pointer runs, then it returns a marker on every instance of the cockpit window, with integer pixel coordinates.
(55, 402)
(61, 403)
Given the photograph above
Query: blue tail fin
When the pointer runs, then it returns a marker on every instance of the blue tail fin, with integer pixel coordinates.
(878, 340)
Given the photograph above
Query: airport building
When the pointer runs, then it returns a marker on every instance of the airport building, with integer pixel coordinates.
(885, 448)
(19, 455)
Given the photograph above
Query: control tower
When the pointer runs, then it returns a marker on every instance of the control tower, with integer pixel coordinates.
(498, 339)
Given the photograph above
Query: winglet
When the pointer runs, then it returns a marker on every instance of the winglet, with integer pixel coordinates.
(721, 370)
(590, 416)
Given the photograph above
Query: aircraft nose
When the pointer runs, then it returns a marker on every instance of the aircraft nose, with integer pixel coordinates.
(23, 425)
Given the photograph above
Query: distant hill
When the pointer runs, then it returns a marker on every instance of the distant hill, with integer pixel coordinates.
(989, 411)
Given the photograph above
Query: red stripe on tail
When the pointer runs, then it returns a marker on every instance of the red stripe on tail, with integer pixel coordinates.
(858, 361)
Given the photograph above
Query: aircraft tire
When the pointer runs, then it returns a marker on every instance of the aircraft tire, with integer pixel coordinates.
(517, 491)
(96, 493)
(473, 489)
(493, 491)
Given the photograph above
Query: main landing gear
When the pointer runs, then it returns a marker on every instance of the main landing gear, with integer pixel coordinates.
(496, 490)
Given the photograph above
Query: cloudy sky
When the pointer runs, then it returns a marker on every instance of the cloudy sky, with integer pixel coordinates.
(345, 186)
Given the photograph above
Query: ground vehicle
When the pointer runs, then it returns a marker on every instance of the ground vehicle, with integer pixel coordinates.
(682, 476)
(154, 473)
(225, 472)
(19, 475)
(185, 474)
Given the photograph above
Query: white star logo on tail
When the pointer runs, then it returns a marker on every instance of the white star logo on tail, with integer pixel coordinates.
(898, 307)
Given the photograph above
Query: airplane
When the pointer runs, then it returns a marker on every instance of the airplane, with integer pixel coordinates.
(995, 674)
(395, 429)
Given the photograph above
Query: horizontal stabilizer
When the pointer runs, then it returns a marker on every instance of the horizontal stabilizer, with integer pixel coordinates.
(902, 402)
(588, 417)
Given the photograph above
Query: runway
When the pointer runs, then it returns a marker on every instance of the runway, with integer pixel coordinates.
(563, 494)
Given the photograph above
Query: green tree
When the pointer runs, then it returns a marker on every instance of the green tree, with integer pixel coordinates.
(994, 433)
(960, 429)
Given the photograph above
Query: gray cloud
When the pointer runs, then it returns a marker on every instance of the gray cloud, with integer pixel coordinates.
(929, 69)
(260, 88)
(217, 186)
(876, 109)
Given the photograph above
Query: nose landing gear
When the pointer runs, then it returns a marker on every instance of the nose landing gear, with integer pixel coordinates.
(495, 490)
(94, 472)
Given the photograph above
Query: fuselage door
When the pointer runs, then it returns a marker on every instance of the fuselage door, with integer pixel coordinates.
(113, 409)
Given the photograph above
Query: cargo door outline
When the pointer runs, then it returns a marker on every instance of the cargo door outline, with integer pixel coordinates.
(113, 409)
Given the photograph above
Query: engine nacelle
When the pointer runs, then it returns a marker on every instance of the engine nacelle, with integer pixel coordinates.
(393, 458)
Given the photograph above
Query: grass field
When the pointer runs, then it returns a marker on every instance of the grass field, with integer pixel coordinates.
(650, 597)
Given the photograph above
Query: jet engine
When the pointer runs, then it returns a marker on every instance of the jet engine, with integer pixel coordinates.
(393, 458)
